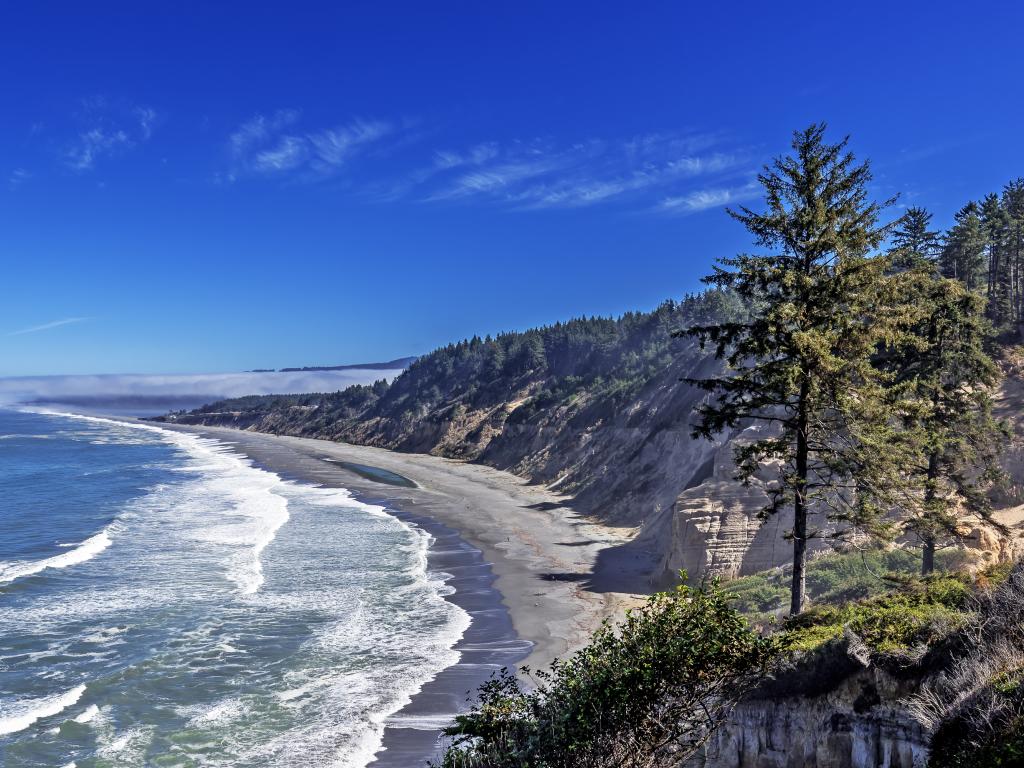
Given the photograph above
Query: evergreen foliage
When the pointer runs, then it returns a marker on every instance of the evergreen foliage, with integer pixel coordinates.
(940, 390)
(644, 694)
(914, 244)
(595, 357)
(984, 249)
(801, 363)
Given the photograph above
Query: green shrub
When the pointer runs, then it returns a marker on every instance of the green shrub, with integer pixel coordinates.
(916, 615)
(645, 693)
(842, 577)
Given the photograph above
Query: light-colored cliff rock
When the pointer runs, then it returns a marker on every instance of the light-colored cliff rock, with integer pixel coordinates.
(824, 732)
(716, 529)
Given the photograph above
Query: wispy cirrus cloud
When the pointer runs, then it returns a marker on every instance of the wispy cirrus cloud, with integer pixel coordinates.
(107, 129)
(682, 172)
(48, 326)
(18, 177)
(540, 174)
(703, 199)
(91, 144)
(273, 145)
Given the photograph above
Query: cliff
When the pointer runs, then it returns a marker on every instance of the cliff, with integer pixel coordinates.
(861, 721)
(595, 408)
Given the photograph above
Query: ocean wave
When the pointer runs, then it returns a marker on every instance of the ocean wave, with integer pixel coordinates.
(21, 714)
(86, 550)
(357, 694)
(248, 492)
(370, 597)
(88, 714)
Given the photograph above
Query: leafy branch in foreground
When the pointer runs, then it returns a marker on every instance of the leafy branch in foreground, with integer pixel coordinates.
(644, 694)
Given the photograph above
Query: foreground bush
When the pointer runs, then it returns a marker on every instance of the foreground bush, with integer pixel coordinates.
(644, 694)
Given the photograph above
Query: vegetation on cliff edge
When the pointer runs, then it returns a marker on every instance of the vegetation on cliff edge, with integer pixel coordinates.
(644, 694)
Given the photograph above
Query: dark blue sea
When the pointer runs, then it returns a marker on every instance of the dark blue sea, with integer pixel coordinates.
(164, 602)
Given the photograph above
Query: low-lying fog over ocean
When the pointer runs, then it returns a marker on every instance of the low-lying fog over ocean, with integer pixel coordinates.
(163, 601)
(150, 395)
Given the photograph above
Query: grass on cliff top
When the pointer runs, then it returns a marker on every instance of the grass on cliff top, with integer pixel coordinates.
(902, 623)
(875, 594)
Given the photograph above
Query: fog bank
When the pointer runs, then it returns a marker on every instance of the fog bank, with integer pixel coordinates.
(144, 394)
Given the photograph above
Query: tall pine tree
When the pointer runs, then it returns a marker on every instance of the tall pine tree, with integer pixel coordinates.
(913, 243)
(995, 227)
(941, 385)
(801, 364)
(963, 254)
(1013, 205)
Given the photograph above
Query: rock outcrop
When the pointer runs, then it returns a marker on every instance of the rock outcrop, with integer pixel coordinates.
(858, 725)
(716, 528)
(833, 709)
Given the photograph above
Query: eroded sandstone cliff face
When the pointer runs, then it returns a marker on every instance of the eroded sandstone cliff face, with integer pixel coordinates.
(714, 528)
(860, 724)
(598, 410)
(832, 709)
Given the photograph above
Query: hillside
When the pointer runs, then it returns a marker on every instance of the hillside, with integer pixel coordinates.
(594, 407)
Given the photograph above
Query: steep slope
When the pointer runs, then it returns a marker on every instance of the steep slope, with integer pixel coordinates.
(596, 408)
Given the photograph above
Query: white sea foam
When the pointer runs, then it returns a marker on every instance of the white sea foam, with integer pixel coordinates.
(257, 512)
(19, 715)
(88, 714)
(357, 695)
(128, 748)
(86, 550)
(217, 714)
(336, 712)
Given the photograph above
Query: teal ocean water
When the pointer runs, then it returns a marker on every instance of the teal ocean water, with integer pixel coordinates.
(163, 602)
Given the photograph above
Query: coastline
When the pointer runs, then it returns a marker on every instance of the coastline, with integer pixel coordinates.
(519, 559)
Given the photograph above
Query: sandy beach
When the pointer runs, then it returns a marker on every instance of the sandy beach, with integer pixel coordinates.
(540, 555)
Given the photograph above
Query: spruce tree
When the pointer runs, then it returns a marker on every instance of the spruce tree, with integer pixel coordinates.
(801, 363)
(995, 227)
(1013, 205)
(963, 255)
(913, 243)
(942, 379)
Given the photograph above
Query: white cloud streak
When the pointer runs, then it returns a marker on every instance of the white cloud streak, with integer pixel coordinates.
(18, 177)
(540, 175)
(681, 173)
(703, 199)
(48, 326)
(141, 393)
(92, 144)
(269, 145)
(109, 129)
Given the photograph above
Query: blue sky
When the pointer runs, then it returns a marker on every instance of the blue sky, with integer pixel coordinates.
(191, 187)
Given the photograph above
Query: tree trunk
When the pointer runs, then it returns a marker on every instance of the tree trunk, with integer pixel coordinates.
(928, 556)
(928, 553)
(800, 506)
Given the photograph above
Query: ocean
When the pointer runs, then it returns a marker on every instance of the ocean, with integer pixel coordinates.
(164, 602)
